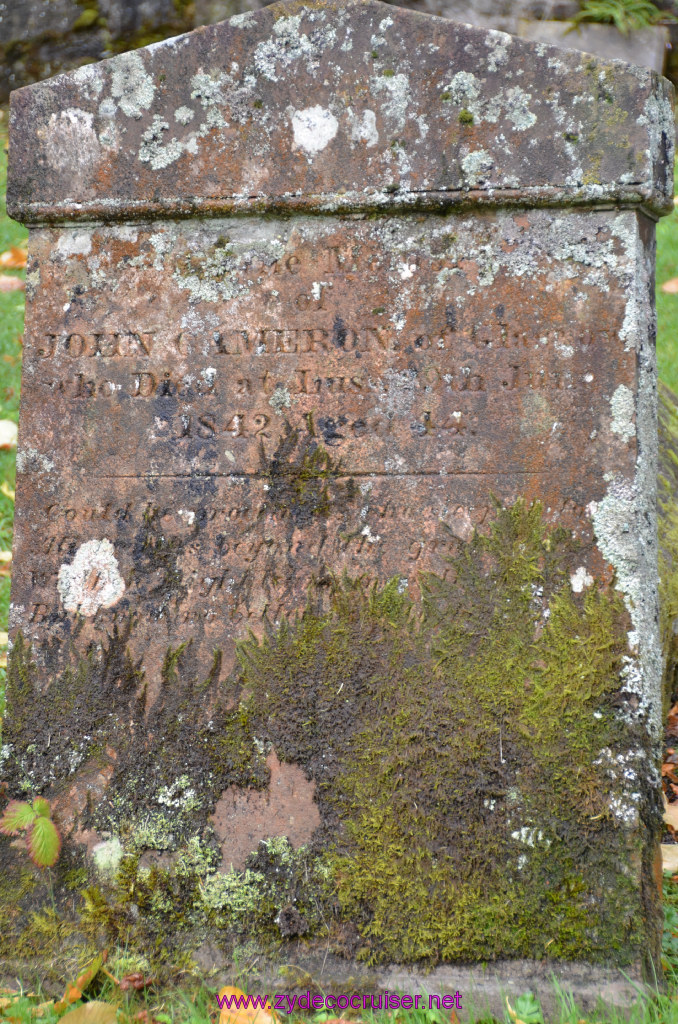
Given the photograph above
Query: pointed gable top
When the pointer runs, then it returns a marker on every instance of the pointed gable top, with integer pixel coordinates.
(337, 106)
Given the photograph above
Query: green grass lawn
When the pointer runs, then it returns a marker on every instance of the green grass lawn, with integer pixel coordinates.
(11, 330)
(199, 1004)
(667, 305)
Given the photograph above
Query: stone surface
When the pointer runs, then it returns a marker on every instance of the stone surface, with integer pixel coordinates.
(336, 487)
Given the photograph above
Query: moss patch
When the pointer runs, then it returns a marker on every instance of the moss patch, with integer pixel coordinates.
(482, 783)
(458, 754)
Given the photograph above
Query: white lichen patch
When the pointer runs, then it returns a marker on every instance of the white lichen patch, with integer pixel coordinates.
(92, 580)
(476, 166)
(30, 460)
(280, 399)
(71, 144)
(623, 408)
(397, 104)
(74, 243)
(107, 857)
(364, 127)
(184, 115)
(396, 391)
(580, 579)
(313, 128)
(244, 20)
(131, 85)
(530, 836)
(288, 44)
(371, 538)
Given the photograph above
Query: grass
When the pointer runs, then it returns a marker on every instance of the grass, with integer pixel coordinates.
(193, 1002)
(11, 330)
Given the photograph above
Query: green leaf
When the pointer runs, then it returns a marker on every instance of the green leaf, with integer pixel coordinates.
(527, 1009)
(17, 816)
(42, 807)
(44, 842)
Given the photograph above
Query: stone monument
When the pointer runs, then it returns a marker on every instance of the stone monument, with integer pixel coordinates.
(334, 616)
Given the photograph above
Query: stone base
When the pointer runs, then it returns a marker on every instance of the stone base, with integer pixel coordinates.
(483, 988)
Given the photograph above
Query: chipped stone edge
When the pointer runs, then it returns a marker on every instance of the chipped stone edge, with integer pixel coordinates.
(625, 520)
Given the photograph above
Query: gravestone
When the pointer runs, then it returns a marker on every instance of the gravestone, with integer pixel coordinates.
(334, 612)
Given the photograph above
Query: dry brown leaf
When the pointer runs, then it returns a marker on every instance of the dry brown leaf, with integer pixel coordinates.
(11, 284)
(87, 976)
(137, 981)
(92, 1013)
(671, 287)
(14, 258)
(670, 813)
(670, 857)
(244, 1014)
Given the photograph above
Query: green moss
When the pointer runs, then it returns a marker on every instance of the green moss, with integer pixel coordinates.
(388, 73)
(481, 831)
(88, 18)
(465, 116)
(168, 910)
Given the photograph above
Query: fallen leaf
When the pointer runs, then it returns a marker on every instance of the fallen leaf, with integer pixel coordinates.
(670, 813)
(92, 1013)
(4, 639)
(14, 258)
(11, 284)
(42, 1009)
(137, 981)
(8, 434)
(87, 976)
(670, 857)
(243, 1014)
(5, 556)
(6, 489)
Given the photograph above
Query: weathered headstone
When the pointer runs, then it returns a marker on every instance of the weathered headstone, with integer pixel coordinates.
(339, 348)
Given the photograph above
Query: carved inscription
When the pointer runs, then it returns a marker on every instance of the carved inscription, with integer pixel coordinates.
(223, 358)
